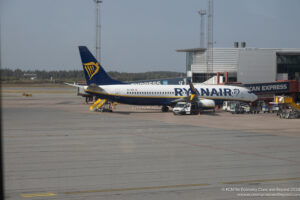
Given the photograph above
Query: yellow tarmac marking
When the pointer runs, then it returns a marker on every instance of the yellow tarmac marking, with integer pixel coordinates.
(128, 189)
(266, 180)
(38, 195)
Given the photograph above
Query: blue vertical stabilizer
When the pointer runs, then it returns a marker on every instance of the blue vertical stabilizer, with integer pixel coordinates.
(93, 71)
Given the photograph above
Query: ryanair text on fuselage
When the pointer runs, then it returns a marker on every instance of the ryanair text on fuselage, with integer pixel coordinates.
(208, 92)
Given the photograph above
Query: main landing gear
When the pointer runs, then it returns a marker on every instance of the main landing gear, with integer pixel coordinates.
(165, 109)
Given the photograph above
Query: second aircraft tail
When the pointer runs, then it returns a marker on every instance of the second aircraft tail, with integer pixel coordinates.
(93, 71)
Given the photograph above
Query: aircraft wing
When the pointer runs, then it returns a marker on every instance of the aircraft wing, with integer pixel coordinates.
(94, 88)
(194, 95)
(74, 85)
(188, 99)
(90, 88)
(183, 99)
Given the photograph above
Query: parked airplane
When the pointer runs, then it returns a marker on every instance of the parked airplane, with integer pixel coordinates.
(100, 84)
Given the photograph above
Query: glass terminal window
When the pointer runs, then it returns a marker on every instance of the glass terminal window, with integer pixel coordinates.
(289, 64)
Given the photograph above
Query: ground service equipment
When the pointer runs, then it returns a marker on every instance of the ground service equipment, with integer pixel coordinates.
(287, 107)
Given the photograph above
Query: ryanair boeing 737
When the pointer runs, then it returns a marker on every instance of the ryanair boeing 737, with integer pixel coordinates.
(100, 84)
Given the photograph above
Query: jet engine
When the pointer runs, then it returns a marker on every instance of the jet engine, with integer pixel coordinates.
(206, 103)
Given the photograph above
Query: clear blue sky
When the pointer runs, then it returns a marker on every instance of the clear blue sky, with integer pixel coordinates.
(137, 35)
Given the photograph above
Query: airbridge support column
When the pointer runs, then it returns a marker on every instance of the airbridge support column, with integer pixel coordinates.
(225, 75)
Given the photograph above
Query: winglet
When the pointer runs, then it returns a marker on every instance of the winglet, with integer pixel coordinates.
(193, 91)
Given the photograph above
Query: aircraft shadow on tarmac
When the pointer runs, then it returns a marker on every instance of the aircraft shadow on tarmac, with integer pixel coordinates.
(133, 112)
(66, 102)
(170, 112)
(209, 113)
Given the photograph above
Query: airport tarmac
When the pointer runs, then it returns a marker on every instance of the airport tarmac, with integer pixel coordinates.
(55, 148)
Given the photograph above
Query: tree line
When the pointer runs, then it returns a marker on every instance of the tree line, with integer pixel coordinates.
(18, 75)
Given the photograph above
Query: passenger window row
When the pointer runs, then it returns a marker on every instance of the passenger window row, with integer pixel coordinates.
(150, 93)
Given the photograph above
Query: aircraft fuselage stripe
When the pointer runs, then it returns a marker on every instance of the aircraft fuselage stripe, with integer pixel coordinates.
(161, 97)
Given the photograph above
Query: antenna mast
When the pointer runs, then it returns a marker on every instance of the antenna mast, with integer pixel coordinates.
(98, 30)
(202, 13)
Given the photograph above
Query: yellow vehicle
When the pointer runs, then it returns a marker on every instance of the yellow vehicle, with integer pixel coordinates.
(287, 107)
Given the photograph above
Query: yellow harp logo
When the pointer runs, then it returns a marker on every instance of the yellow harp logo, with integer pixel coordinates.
(91, 68)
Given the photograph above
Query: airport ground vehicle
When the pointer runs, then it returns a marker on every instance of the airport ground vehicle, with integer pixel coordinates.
(275, 108)
(226, 105)
(289, 113)
(186, 108)
(288, 109)
(239, 108)
(265, 108)
(236, 108)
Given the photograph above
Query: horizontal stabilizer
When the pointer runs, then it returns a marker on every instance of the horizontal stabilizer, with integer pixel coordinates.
(94, 88)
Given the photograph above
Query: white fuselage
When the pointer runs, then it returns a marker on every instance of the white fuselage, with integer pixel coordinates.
(165, 94)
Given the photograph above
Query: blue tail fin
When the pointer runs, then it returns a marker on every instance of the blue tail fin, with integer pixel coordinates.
(93, 71)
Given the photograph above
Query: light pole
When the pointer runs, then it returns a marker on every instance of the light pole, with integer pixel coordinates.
(98, 30)
(210, 34)
(202, 13)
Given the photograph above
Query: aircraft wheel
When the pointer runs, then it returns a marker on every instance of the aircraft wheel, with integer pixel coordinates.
(165, 109)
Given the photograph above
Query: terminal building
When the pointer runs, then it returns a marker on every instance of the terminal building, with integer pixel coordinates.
(245, 65)
(266, 71)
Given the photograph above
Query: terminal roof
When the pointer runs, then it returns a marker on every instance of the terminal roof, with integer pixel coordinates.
(191, 50)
